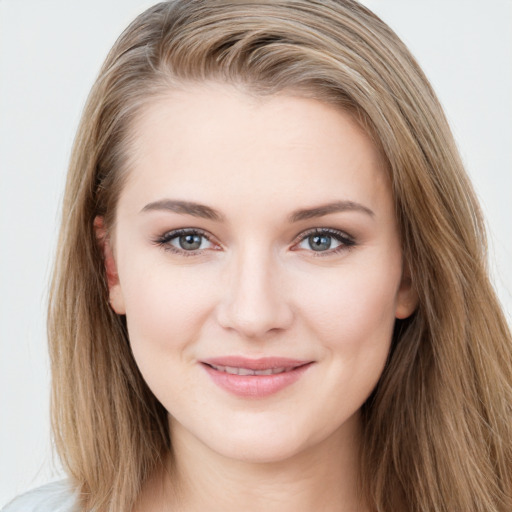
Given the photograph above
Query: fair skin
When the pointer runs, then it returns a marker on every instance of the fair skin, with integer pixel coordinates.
(264, 272)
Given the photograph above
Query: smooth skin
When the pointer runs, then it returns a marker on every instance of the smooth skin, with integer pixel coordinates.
(288, 248)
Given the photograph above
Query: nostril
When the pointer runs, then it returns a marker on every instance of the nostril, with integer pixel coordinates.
(254, 320)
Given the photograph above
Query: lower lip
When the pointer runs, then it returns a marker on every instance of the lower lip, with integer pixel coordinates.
(256, 386)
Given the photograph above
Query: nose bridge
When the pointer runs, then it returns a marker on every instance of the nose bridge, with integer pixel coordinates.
(255, 300)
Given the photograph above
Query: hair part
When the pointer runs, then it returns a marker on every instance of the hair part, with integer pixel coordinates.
(437, 433)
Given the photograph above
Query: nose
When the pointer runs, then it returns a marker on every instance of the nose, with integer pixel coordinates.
(254, 302)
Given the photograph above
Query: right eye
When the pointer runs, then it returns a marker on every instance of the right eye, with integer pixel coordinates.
(187, 242)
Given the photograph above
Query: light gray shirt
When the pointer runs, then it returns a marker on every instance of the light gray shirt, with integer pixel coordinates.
(54, 497)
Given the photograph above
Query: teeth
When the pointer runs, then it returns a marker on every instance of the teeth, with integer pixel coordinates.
(247, 371)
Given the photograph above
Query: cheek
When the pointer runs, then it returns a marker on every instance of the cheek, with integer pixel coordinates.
(165, 307)
(353, 318)
(354, 308)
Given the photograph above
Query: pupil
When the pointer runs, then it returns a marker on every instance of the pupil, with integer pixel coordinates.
(320, 242)
(190, 242)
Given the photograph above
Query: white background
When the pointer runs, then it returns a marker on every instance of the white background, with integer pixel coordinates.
(50, 52)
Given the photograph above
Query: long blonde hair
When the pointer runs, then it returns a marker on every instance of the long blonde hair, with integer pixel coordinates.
(437, 432)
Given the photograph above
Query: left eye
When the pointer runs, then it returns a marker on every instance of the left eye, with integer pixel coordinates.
(319, 243)
(190, 242)
(324, 241)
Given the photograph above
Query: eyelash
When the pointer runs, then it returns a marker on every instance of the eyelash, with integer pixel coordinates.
(164, 241)
(347, 242)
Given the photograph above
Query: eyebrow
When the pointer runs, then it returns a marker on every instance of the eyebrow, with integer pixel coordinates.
(326, 209)
(206, 212)
(184, 207)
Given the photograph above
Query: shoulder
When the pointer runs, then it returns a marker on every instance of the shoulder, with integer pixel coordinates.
(54, 497)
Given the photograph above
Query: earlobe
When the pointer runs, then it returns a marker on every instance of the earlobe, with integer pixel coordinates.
(116, 298)
(407, 297)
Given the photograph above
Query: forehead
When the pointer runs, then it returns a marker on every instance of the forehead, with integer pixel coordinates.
(214, 142)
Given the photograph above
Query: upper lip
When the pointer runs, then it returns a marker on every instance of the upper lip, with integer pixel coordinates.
(263, 363)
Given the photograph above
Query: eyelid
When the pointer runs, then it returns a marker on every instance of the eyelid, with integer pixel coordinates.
(164, 239)
(346, 241)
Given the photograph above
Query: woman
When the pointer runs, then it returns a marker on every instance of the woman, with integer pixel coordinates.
(340, 350)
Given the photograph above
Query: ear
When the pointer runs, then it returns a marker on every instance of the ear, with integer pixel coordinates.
(116, 297)
(407, 298)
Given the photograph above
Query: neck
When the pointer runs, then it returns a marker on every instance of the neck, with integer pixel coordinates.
(323, 477)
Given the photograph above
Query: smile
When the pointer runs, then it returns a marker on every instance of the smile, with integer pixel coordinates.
(247, 371)
(255, 378)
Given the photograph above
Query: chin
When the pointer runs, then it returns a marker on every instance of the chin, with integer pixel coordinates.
(260, 451)
(272, 441)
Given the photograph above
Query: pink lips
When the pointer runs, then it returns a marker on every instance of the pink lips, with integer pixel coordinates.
(255, 378)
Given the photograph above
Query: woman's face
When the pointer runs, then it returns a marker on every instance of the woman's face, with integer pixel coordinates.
(257, 259)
